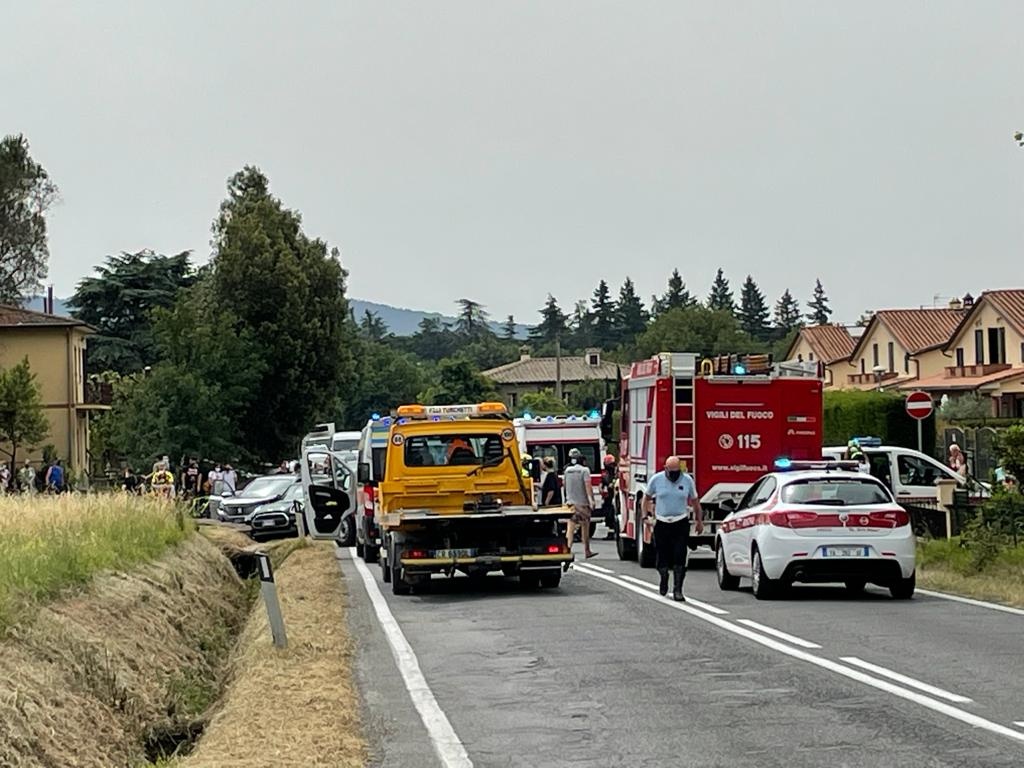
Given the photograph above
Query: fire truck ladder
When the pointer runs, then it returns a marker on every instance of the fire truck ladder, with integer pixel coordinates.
(683, 421)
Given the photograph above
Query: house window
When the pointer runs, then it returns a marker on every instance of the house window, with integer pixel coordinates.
(862, 365)
(906, 363)
(593, 359)
(512, 399)
(874, 355)
(979, 347)
(960, 356)
(810, 356)
(892, 358)
(996, 345)
(1022, 351)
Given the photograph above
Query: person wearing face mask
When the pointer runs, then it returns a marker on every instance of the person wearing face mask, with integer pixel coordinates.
(672, 498)
(579, 495)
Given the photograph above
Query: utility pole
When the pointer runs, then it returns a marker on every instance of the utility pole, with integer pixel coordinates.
(558, 367)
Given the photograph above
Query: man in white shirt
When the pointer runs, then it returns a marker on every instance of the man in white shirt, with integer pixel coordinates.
(579, 494)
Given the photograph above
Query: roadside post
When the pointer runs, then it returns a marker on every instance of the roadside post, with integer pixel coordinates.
(919, 406)
(269, 591)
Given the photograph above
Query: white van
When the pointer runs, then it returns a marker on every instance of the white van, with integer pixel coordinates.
(909, 474)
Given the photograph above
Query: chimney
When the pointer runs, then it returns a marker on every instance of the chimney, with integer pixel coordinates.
(48, 306)
(592, 357)
(968, 301)
(524, 353)
(955, 303)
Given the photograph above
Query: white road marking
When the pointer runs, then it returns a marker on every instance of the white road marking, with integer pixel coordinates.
(597, 568)
(447, 745)
(928, 702)
(972, 601)
(692, 601)
(942, 694)
(778, 633)
(1019, 723)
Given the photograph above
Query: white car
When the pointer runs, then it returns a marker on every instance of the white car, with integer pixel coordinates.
(817, 522)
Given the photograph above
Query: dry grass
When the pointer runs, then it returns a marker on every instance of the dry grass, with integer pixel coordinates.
(51, 543)
(946, 566)
(296, 707)
(92, 675)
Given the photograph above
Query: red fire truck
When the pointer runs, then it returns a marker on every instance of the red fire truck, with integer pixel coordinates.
(727, 418)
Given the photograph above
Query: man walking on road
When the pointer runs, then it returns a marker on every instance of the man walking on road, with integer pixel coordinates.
(671, 496)
(580, 496)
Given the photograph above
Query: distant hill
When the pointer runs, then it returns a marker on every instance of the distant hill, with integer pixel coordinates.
(400, 321)
(405, 322)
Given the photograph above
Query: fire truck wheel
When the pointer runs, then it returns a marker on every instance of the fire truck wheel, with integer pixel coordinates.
(625, 547)
(371, 553)
(726, 581)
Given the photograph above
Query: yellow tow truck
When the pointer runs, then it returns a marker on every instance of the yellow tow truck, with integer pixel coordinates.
(453, 498)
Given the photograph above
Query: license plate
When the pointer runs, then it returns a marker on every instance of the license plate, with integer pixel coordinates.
(844, 551)
(450, 553)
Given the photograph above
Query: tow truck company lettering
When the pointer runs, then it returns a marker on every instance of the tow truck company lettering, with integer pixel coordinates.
(744, 415)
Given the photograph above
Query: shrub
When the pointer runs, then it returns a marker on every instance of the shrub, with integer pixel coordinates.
(852, 413)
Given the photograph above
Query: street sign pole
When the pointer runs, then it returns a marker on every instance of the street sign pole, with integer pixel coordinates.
(919, 406)
(920, 442)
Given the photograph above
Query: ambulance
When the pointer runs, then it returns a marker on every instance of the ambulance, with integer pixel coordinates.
(728, 419)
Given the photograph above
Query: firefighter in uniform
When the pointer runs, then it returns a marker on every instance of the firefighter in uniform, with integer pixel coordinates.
(672, 498)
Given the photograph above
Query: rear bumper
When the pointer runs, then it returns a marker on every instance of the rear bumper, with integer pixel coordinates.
(525, 562)
(882, 571)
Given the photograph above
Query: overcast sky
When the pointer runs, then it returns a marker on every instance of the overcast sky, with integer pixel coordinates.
(504, 150)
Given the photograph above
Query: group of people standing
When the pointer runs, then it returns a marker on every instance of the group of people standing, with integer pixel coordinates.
(190, 483)
(53, 479)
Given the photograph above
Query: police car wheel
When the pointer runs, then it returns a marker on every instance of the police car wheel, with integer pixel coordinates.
(764, 588)
(726, 581)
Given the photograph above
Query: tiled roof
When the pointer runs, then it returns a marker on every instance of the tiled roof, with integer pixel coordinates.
(917, 330)
(12, 317)
(830, 343)
(1010, 303)
(541, 370)
(941, 382)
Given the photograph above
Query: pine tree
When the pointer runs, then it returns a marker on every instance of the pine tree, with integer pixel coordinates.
(472, 320)
(721, 297)
(676, 297)
(753, 315)
(603, 313)
(373, 326)
(508, 330)
(630, 315)
(552, 325)
(787, 312)
(582, 326)
(820, 310)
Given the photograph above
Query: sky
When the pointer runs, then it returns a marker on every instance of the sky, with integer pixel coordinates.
(502, 151)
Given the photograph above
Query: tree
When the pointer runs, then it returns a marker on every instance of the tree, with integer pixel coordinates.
(753, 314)
(630, 315)
(119, 302)
(289, 290)
(509, 332)
(582, 325)
(387, 377)
(458, 381)
(26, 194)
(603, 312)
(587, 396)
(552, 325)
(22, 419)
(675, 297)
(865, 318)
(721, 297)
(372, 326)
(698, 329)
(543, 403)
(787, 312)
(472, 320)
(820, 310)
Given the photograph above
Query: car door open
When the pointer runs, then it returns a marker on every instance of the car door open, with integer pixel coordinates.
(329, 489)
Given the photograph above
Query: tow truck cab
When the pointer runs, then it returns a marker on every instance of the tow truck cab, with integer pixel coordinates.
(453, 499)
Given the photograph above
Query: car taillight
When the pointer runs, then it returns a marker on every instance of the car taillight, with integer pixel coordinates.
(555, 549)
(416, 554)
(795, 519)
(368, 503)
(889, 518)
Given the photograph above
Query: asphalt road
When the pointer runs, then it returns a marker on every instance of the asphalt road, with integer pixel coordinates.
(605, 672)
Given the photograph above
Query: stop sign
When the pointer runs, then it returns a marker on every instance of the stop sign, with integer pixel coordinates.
(919, 405)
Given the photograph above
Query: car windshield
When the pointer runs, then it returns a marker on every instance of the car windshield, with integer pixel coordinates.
(452, 450)
(264, 487)
(345, 444)
(840, 492)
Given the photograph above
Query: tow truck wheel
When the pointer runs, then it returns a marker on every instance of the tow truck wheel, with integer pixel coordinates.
(371, 553)
(399, 586)
(529, 580)
(550, 579)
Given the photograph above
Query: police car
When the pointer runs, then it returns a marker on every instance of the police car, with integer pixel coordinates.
(816, 522)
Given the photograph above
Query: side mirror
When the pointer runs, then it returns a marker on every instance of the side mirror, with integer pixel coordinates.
(363, 473)
(728, 505)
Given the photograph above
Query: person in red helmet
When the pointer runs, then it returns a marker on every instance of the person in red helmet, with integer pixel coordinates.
(609, 487)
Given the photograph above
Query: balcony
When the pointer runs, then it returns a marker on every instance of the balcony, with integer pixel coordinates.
(870, 377)
(973, 371)
(98, 393)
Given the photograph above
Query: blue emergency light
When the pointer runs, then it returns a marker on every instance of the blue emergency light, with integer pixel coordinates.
(527, 415)
(783, 464)
(739, 370)
(868, 442)
(375, 417)
(595, 415)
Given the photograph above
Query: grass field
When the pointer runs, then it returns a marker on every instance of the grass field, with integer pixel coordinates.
(51, 543)
(947, 566)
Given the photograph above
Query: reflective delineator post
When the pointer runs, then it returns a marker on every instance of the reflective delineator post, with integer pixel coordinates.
(269, 591)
